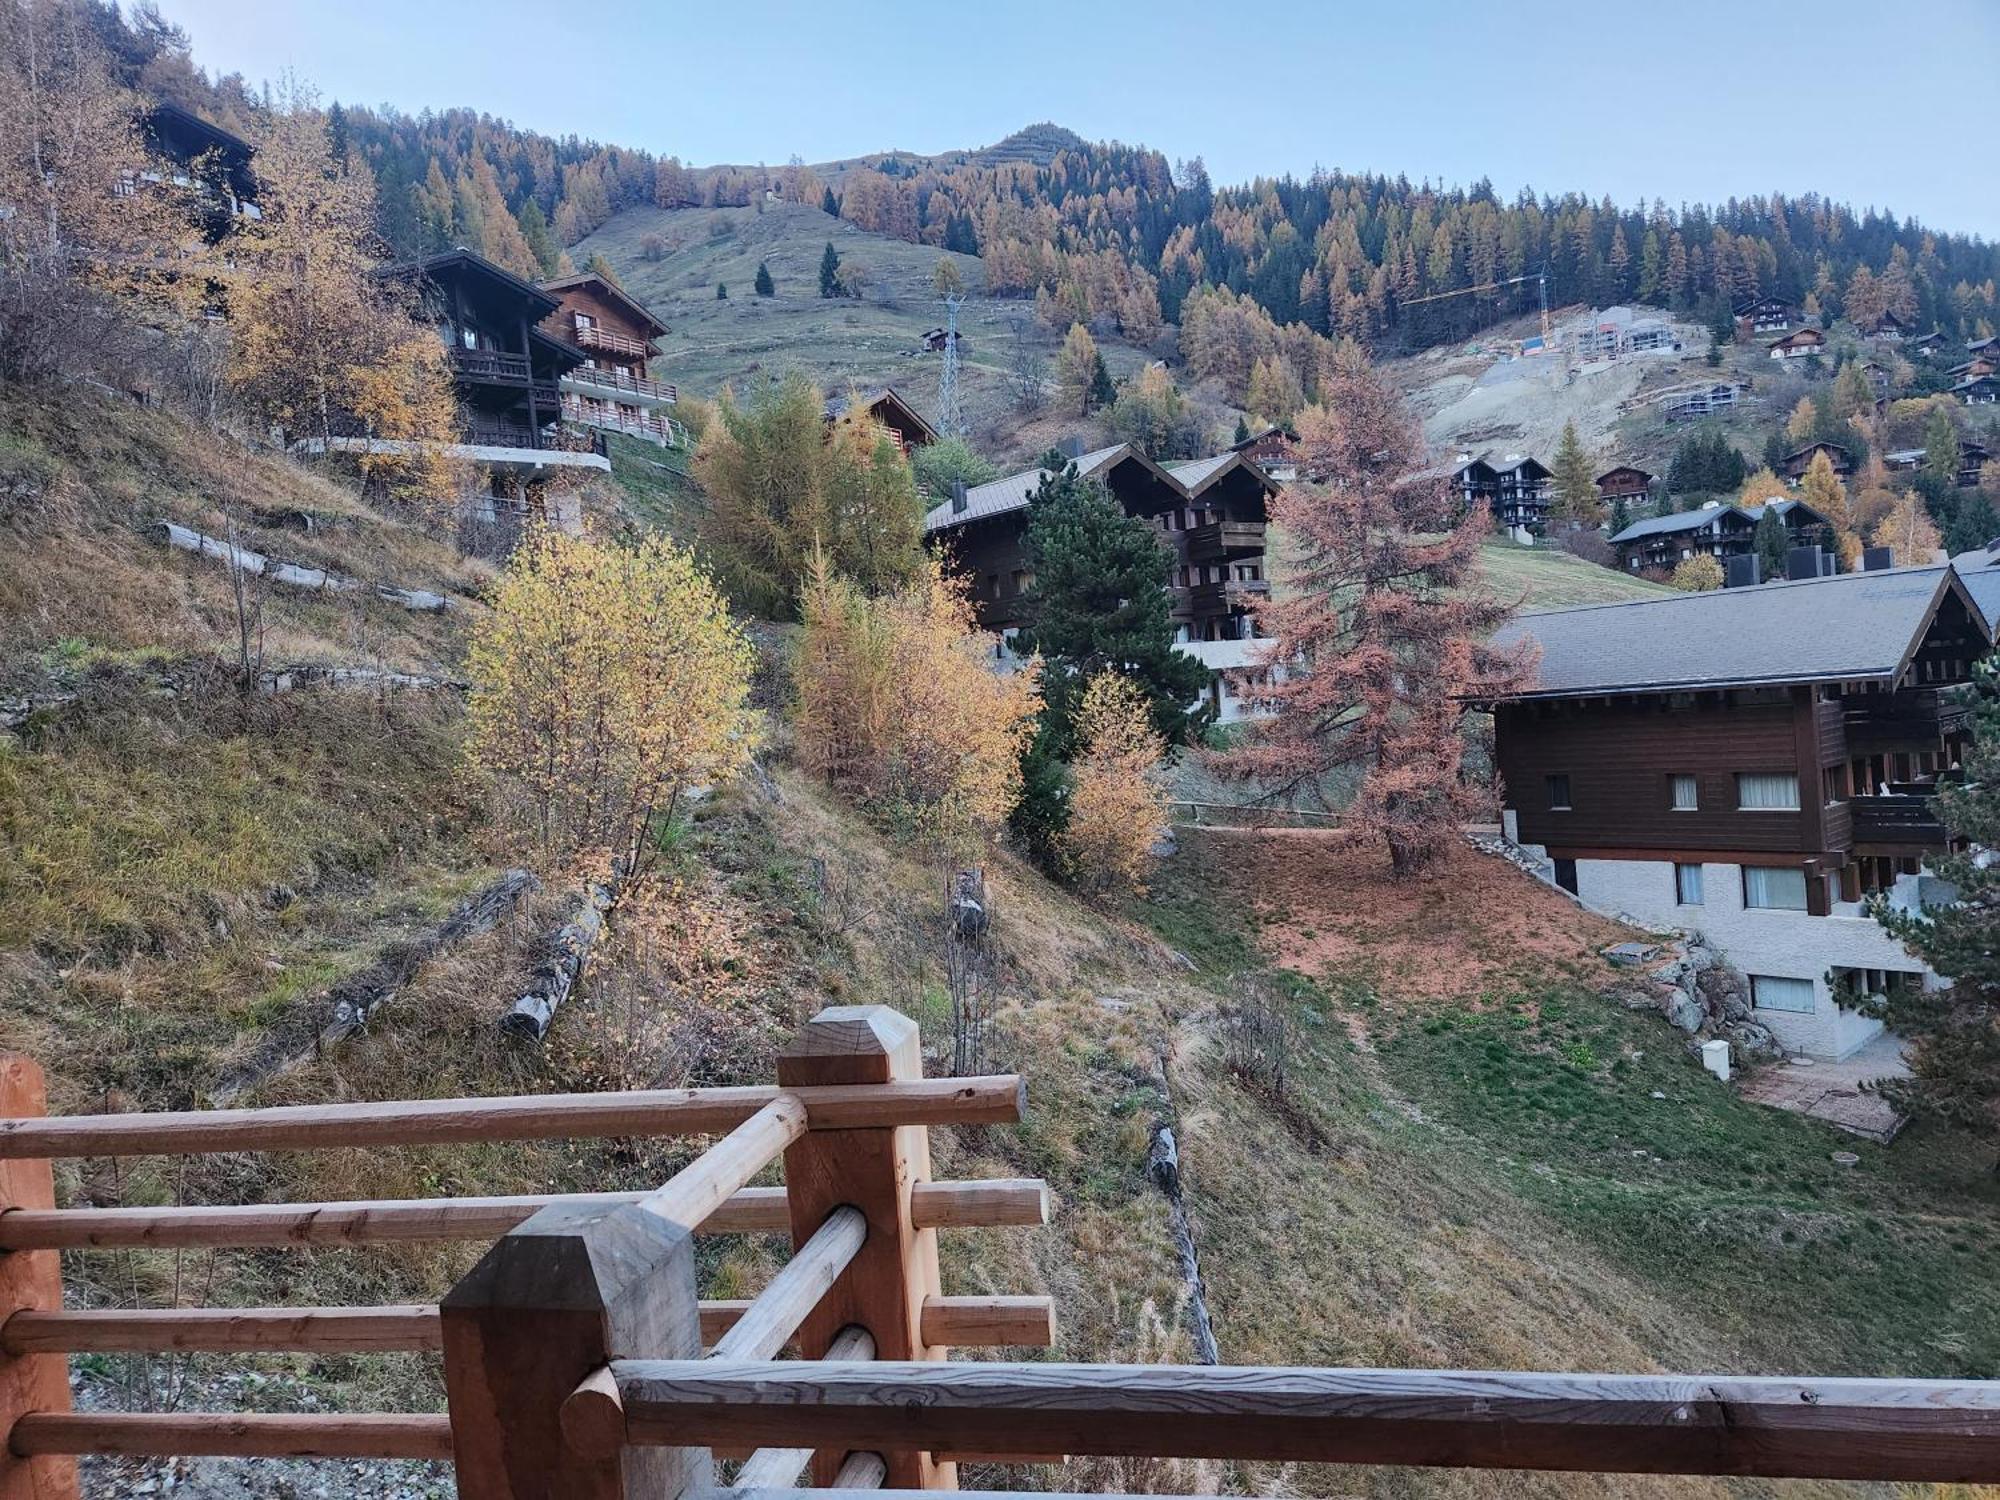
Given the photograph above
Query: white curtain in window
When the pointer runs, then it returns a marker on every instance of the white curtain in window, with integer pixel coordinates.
(1764, 793)
(1783, 889)
(1771, 992)
(1685, 799)
(1687, 884)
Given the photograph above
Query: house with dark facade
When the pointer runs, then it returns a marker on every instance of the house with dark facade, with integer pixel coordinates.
(1717, 530)
(613, 389)
(1799, 344)
(1756, 316)
(1800, 459)
(1210, 513)
(1274, 450)
(212, 162)
(1753, 764)
(1515, 489)
(1627, 482)
(887, 409)
(1971, 458)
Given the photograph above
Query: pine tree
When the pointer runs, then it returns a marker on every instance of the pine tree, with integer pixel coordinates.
(829, 205)
(765, 287)
(1771, 543)
(339, 139)
(1102, 392)
(1941, 448)
(1621, 515)
(1577, 498)
(1955, 1062)
(829, 271)
(1383, 634)
(535, 230)
(721, 291)
(1242, 431)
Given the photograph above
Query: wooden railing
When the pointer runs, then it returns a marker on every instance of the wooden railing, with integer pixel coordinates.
(624, 380)
(573, 1352)
(612, 342)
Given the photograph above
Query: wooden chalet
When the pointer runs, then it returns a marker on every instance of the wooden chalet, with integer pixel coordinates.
(1927, 343)
(887, 409)
(1977, 390)
(1515, 489)
(1752, 763)
(611, 389)
(1887, 326)
(1756, 316)
(1971, 458)
(1663, 543)
(213, 162)
(1799, 344)
(1799, 460)
(1274, 450)
(1627, 482)
(1210, 512)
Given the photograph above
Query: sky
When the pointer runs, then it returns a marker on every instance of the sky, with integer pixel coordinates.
(1876, 104)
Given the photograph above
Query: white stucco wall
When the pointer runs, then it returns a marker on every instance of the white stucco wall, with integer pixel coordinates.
(1783, 944)
(1218, 656)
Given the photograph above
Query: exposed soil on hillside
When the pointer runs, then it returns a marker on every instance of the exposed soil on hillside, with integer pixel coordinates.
(1473, 930)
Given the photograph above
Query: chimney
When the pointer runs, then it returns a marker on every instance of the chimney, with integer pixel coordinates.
(1875, 559)
(1802, 562)
(958, 497)
(1070, 447)
(1742, 571)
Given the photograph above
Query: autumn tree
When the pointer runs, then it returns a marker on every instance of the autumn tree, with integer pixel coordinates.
(1152, 415)
(1080, 370)
(953, 460)
(1577, 499)
(1274, 393)
(1906, 530)
(1772, 544)
(1802, 422)
(1382, 636)
(605, 682)
(945, 277)
(1117, 800)
(1955, 1061)
(1697, 575)
(896, 702)
(779, 483)
(1822, 490)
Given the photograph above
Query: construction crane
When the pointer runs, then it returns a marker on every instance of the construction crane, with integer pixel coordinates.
(1540, 278)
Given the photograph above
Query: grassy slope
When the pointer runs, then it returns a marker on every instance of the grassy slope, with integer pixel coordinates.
(1542, 578)
(868, 341)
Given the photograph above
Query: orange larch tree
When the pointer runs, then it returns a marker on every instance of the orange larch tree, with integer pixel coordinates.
(1381, 635)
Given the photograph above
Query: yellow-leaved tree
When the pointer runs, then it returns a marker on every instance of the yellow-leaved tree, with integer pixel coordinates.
(1822, 490)
(1907, 532)
(1117, 802)
(898, 701)
(1697, 575)
(606, 682)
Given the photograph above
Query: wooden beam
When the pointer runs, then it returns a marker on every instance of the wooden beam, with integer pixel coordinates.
(873, 1168)
(1906, 1430)
(29, 1282)
(752, 1210)
(997, 1100)
(984, 1322)
(771, 1320)
(229, 1435)
(224, 1330)
(782, 1468)
(695, 1192)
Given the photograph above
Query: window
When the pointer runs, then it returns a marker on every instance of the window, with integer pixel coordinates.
(1774, 888)
(1687, 885)
(1771, 992)
(1559, 793)
(1686, 796)
(1767, 792)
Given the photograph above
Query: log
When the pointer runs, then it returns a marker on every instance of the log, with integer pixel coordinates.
(753, 1210)
(995, 1100)
(565, 952)
(694, 1193)
(1906, 1430)
(292, 575)
(1163, 1165)
(224, 1330)
(230, 1435)
(782, 1468)
(303, 675)
(29, 1283)
(355, 1000)
(986, 1322)
(771, 1319)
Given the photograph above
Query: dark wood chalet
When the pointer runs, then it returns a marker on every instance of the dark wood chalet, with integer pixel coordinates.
(612, 388)
(506, 366)
(1746, 761)
(1210, 512)
(1274, 450)
(212, 161)
(1800, 459)
(1798, 345)
(1515, 489)
(1761, 315)
(1627, 482)
(1662, 543)
(887, 409)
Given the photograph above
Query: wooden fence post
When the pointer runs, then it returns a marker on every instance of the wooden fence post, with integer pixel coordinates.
(561, 1295)
(29, 1279)
(884, 1287)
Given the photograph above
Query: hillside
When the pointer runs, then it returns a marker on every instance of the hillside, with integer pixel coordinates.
(1419, 1125)
(872, 340)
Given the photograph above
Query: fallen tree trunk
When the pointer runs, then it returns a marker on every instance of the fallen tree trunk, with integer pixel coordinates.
(294, 575)
(309, 675)
(357, 998)
(565, 952)
(1163, 1165)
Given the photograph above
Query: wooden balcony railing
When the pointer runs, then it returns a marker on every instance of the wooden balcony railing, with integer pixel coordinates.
(1222, 539)
(612, 342)
(623, 380)
(1223, 598)
(573, 1352)
(1897, 819)
(489, 364)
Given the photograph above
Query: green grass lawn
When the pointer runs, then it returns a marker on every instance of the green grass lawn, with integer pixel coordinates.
(1545, 578)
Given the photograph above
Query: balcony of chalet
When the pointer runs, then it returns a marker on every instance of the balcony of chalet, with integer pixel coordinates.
(1225, 598)
(590, 380)
(1903, 817)
(611, 342)
(1220, 541)
(1919, 718)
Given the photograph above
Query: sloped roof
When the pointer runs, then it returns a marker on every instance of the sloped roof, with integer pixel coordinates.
(998, 496)
(1983, 584)
(1680, 520)
(1851, 627)
(612, 290)
(1196, 474)
(472, 263)
(888, 395)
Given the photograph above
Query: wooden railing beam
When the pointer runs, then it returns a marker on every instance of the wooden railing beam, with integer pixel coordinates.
(30, 1281)
(774, 1316)
(915, 1101)
(752, 1210)
(231, 1435)
(1908, 1430)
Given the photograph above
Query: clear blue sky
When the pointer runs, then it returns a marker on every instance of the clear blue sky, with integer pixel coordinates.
(1881, 104)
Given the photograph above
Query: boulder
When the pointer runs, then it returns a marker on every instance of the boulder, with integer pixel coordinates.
(1750, 1043)
(1684, 1011)
(1723, 992)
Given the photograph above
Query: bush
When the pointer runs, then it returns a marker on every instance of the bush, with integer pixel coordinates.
(1697, 575)
(1591, 545)
(1117, 805)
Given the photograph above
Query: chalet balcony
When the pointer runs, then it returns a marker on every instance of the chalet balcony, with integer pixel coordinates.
(1899, 819)
(1225, 539)
(631, 421)
(623, 381)
(612, 343)
(1225, 598)
(1917, 719)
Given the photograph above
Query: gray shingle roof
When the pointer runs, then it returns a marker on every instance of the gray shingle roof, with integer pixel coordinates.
(1857, 625)
(1981, 578)
(1680, 520)
(998, 496)
(1193, 471)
